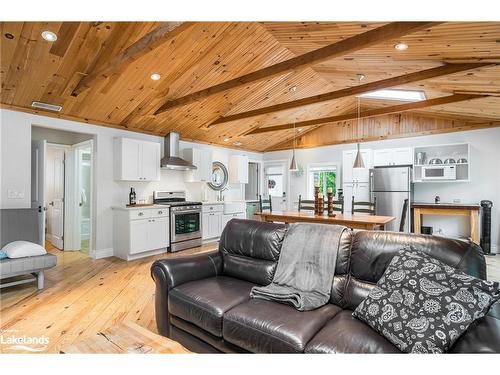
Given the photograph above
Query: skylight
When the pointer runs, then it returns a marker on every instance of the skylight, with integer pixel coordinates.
(404, 95)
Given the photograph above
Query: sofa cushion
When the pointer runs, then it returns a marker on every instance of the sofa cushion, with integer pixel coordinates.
(346, 334)
(203, 302)
(372, 252)
(422, 305)
(250, 249)
(268, 327)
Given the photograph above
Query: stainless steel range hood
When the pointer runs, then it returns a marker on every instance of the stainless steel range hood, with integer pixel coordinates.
(171, 160)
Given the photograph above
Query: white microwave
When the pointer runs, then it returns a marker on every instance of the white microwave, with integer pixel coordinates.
(439, 172)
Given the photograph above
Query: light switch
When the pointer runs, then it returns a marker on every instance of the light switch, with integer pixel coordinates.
(15, 194)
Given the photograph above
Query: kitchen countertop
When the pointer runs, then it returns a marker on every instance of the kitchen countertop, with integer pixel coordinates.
(212, 202)
(464, 206)
(140, 207)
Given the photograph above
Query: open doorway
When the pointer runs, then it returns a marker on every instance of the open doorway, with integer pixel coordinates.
(276, 183)
(64, 175)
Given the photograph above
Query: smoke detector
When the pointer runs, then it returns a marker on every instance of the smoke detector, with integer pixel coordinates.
(47, 106)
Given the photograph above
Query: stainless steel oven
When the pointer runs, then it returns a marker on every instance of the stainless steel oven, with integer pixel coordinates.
(185, 219)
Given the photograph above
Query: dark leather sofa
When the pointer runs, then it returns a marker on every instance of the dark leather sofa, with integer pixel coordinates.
(203, 301)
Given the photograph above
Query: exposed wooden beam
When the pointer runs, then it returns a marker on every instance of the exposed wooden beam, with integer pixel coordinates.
(65, 36)
(372, 112)
(356, 90)
(387, 32)
(144, 45)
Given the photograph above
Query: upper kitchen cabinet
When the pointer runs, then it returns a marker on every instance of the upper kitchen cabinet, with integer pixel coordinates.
(393, 156)
(350, 174)
(238, 169)
(136, 160)
(202, 160)
(442, 163)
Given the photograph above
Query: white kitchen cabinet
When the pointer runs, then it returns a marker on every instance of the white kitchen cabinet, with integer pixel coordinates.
(227, 217)
(350, 174)
(202, 160)
(211, 220)
(140, 232)
(359, 190)
(393, 156)
(136, 160)
(238, 169)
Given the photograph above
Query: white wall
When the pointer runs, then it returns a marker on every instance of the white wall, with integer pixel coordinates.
(15, 167)
(484, 184)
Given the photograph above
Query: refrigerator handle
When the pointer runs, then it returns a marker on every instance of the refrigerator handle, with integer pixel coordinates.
(370, 185)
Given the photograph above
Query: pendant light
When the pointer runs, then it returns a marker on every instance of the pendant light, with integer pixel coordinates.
(293, 164)
(358, 162)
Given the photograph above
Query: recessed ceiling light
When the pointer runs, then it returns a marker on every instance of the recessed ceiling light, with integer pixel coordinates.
(299, 129)
(400, 46)
(226, 139)
(155, 76)
(237, 143)
(390, 94)
(49, 36)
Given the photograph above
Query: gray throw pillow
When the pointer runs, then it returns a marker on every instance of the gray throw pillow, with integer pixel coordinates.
(422, 305)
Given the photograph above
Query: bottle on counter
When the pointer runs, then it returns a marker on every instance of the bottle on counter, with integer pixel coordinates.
(437, 199)
(132, 198)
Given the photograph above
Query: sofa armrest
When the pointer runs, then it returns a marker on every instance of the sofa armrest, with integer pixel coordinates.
(169, 273)
(483, 336)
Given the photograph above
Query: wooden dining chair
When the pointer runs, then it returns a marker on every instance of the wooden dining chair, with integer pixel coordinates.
(338, 205)
(306, 204)
(404, 212)
(366, 207)
(265, 204)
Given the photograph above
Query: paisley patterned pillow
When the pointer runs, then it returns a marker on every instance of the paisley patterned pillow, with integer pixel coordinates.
(422, 305)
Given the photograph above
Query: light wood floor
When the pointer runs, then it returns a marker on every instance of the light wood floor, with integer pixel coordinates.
(83, 296)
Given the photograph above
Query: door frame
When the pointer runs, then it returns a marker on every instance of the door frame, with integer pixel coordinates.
(286, 175)
(72, 229)
(66, 149)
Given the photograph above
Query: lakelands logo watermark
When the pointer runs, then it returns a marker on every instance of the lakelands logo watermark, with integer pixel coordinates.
(12, 340)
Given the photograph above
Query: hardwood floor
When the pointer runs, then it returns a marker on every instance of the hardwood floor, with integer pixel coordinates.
(81, 297)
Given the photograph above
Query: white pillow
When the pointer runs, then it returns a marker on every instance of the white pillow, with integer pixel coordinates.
(21, 249)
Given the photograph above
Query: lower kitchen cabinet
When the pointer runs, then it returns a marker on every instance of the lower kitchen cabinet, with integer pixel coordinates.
(140, 232)
(359, 190)
(211, 221)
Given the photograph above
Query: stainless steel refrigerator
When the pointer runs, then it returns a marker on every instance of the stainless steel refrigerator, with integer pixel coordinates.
(391, 186)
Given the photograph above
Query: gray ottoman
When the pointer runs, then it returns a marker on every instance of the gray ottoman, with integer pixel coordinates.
(24, 266)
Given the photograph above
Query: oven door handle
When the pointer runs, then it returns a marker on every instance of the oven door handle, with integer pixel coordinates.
(186, 212)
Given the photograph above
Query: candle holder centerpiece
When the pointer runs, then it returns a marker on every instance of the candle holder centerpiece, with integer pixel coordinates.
(329, 193)
(321, 204)
(316, 200)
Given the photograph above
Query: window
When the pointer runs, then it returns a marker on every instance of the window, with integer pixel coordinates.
(388, 94)
(323, 174)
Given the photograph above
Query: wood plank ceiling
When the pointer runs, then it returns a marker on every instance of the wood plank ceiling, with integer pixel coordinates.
(100, 73)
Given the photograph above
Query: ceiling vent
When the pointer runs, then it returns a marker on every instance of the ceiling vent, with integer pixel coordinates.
(46, 106)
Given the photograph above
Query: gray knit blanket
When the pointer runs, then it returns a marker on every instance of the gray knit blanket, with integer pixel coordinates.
(306, 266)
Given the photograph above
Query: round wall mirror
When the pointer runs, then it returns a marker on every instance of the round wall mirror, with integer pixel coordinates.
(219, 176)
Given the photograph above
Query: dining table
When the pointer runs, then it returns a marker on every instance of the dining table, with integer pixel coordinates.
(367, 222)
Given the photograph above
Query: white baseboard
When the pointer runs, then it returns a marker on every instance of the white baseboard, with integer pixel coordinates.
(101, 253)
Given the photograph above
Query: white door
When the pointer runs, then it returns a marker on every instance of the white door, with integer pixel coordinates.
(139, 236)
(55, 195)
(347, 163)
(348, 191)
(131, 162)
(150, 161)
(158, 233)
(276, 185)
(38, 151)
(402, 156)
(382, 157)
(362, 192)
